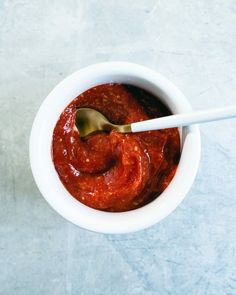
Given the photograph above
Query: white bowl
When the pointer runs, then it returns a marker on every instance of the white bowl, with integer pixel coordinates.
(46, 176)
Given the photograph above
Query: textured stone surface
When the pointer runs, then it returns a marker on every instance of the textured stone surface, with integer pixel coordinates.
(193, 43)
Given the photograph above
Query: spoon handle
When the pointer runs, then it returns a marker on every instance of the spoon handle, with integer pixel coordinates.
(185, 119)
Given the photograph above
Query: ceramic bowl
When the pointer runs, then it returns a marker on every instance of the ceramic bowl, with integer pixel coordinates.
(46, 176)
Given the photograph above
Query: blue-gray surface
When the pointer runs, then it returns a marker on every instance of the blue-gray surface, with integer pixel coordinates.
(193, 43)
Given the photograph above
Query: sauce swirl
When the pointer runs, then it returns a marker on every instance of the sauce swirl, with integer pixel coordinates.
(115, 172)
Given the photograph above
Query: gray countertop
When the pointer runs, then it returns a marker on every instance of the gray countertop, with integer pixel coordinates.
(193, 43)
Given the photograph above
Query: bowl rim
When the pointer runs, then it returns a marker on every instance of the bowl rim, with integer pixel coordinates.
(45, 174)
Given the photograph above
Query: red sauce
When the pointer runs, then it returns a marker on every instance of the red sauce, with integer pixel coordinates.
(115, 172)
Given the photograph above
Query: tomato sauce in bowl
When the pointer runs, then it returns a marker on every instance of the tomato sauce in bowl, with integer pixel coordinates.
(112, 171)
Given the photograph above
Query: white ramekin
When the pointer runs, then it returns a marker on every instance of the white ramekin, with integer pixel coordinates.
(41, 138)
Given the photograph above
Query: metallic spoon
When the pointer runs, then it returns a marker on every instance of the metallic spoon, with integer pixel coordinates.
(89, 121)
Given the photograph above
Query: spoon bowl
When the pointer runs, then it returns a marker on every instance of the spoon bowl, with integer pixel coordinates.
(89, 121)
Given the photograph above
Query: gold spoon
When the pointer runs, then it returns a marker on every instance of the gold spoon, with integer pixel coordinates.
(89, 121)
